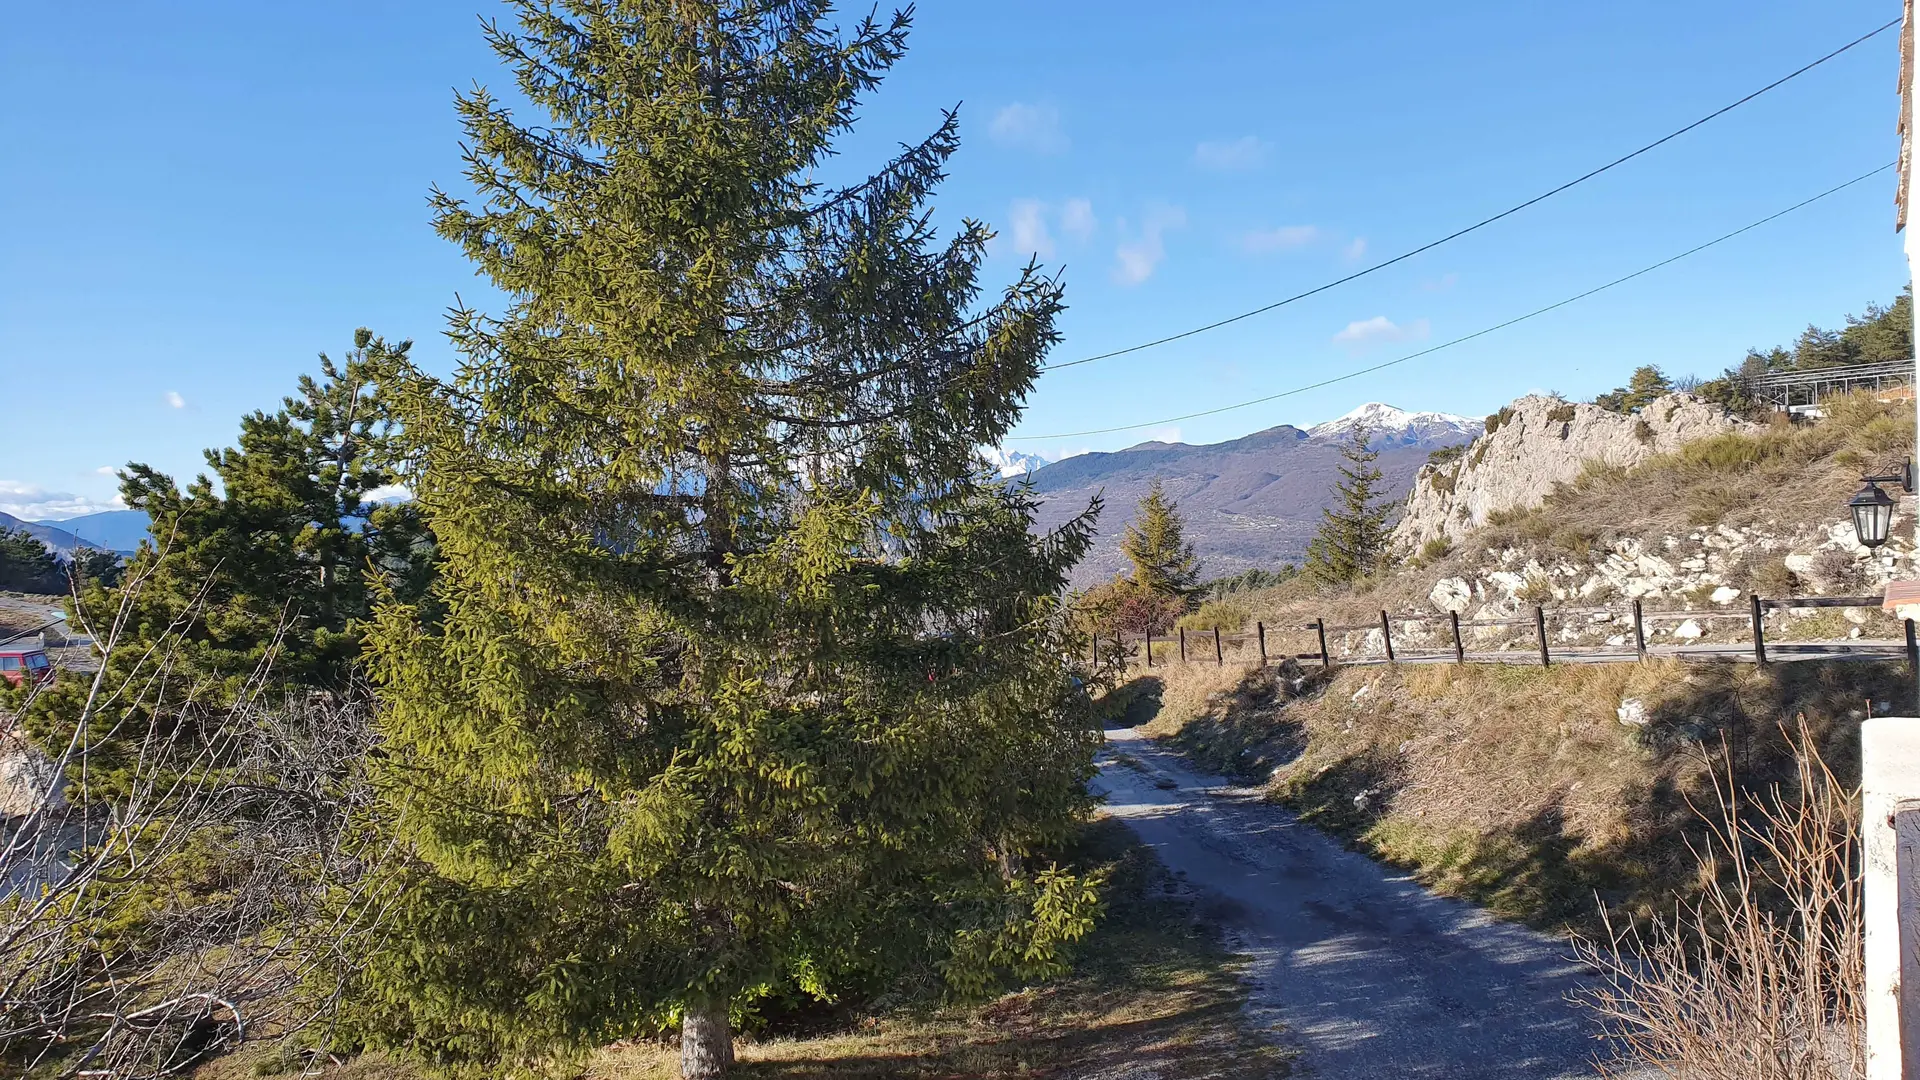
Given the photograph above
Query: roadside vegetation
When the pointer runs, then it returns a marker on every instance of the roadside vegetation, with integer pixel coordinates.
(700, 681)
(1152, 989)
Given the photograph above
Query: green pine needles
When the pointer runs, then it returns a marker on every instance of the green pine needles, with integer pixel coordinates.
(1354, 538)
(1155, 543)
(741, 680)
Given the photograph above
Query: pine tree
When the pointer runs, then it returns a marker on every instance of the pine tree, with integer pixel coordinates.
(1647, 383)
(743, 680)
(1354, 537)
(26, 565)
(265, 576)
(1155, 543)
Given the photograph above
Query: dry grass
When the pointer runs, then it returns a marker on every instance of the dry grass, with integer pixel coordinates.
(1518, 788)
(1153, 993)
(1760, 977)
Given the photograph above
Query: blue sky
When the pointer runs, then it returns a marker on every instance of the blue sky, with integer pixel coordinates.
(203, 195)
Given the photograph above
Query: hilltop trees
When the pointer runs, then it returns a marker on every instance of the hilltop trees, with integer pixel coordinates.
(742, 680)
(1647, 383)
(1354, 536)
(1882, 333)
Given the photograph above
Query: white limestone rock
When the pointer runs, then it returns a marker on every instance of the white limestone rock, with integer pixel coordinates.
(1540, 441)
(1451, 594)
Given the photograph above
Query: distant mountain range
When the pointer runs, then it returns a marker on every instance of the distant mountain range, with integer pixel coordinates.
(113, 530)
(1254, 501)
(58, 540)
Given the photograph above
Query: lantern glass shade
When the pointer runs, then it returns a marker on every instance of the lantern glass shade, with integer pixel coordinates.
(1872, 515)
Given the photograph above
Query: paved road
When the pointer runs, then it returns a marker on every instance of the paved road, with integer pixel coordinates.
(1370, 975)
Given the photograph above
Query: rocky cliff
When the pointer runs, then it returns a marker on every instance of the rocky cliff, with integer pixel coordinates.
(1536, 443)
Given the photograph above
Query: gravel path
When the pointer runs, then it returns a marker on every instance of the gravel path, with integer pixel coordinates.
(1369, 975)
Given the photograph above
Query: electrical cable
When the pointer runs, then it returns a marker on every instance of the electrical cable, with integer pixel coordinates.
(1481, 224)
(1468, 337)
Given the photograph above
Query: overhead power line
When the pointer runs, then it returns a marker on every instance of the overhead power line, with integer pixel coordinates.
(1468, 337)
(1481, 224)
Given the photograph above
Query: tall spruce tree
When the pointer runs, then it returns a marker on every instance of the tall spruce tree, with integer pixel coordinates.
(1155, 543)
(747, 682)
(1354, 537)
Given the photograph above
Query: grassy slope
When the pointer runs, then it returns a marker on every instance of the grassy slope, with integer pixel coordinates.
(1520, 788)
(1515, 787)
(1154, 992)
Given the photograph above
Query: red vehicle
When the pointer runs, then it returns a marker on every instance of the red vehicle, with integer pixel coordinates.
(21, 662)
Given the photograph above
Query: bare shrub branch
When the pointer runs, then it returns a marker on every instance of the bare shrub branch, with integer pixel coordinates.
(1761, 977)
(215, 892)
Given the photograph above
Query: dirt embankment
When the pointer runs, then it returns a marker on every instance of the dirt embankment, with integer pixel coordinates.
(1541, 794)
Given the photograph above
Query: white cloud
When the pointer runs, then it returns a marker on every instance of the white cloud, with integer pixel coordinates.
(1232, 155)
(1356, 249)
(1136, 259)
(1028, 220)
(1284, 238)
(1379, 330)
(107, 470)
(31, 502)
(174, 400)
(1077, 220)
(387, 493)
(1029, 127)
(1164, 434)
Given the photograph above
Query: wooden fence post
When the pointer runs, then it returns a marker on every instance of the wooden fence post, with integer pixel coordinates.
(1096, 650)
(1913, 651)
(1540, 628)
(1759, 632)
(1320, 625)
(1639, 632)
(1149, 645)
(1217, 657)
(1386, 633)
(1183, 644)
(1459, 647)
(1260, 630)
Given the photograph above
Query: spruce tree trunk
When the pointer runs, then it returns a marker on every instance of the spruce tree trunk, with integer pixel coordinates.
(706, 1040)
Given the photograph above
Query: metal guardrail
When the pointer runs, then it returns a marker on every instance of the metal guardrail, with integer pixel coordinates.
(1781, 388)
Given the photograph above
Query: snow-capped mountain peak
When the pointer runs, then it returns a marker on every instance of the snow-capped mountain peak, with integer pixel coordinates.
(1390, 424)
(1011, 462)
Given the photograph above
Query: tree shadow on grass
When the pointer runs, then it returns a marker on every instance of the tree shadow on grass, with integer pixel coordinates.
(1719, 720)
(1154, 991)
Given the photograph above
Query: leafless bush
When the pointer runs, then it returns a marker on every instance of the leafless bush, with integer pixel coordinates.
(193, 903)
(1761, 977)
(1835, 571)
